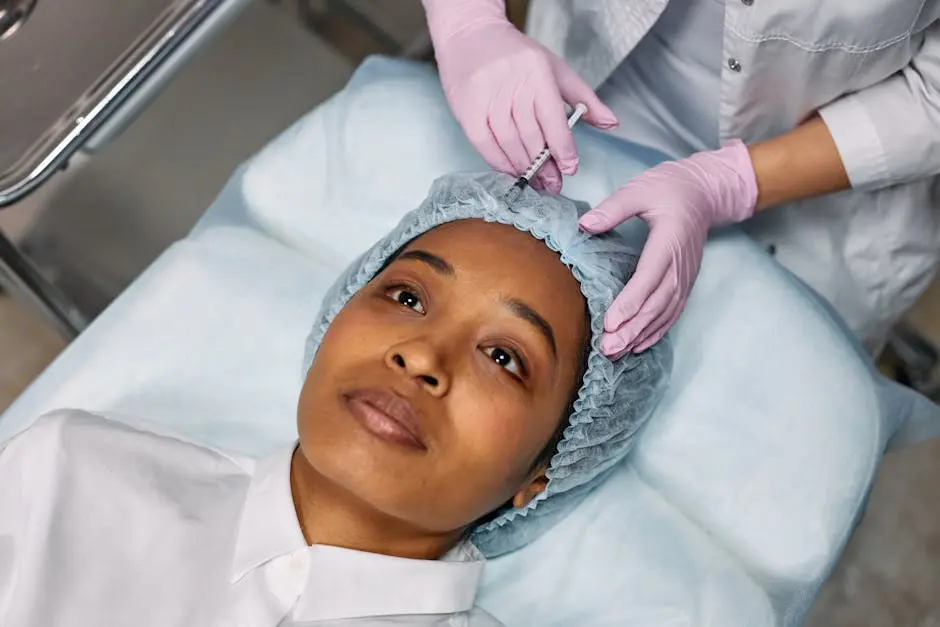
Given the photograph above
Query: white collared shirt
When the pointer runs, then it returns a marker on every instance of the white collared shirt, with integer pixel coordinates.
(105, 524)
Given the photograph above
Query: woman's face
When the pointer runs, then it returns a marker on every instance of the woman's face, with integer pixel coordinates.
(438, 384)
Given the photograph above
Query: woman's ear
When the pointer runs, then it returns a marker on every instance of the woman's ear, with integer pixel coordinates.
(533, 487)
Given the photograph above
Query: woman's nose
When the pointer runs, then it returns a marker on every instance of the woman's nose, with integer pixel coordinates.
(420, 362)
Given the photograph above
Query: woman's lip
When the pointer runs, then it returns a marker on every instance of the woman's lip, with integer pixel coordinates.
(386, 415)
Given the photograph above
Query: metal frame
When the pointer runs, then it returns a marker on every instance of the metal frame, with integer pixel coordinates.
(113, 111)
(18, 272)
(109, 103)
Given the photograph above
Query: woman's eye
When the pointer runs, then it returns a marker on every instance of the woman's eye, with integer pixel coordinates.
(407, 298)
(506, 360)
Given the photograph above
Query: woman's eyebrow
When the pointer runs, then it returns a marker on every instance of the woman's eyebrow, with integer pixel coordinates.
(531, 316)
(518, 307)
(438, 264)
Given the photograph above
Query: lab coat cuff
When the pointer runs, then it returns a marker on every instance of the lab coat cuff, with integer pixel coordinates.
(856, 137)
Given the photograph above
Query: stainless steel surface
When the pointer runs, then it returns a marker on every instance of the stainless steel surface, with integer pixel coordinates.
(70, 67)
(112, 213)
(13, 14)
(204, 34)
(19, 273)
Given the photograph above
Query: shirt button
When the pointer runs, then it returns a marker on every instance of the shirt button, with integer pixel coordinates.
(733, 65)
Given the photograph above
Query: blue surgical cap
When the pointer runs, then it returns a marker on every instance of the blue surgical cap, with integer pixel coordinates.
(615, 399)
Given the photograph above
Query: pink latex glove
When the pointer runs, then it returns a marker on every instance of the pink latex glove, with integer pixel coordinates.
(507, 91)
(680, 201)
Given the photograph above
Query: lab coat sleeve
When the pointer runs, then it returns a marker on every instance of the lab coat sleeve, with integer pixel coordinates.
(889, 133)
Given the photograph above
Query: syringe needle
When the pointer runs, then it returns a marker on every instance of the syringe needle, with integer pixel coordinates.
(540, 159)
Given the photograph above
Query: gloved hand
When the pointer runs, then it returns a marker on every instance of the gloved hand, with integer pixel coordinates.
(507, 91)
(680, 201)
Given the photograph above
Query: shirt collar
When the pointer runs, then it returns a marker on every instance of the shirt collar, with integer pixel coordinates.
(269, 527)
(343, 583)
(346, 584)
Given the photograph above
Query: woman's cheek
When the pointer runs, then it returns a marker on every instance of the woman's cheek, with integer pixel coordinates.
(497, 427)
(356, 330)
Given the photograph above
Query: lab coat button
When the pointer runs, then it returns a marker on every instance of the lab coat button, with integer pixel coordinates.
(747, 3)
(733, 65)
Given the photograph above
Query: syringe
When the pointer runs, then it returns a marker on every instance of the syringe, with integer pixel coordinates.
(540, 160)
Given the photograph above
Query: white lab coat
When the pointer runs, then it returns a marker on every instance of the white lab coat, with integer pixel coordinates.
(104, 525)
(872, 70)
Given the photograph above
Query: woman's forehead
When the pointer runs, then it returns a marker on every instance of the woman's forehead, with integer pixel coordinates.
(473, 234)
(479, 247)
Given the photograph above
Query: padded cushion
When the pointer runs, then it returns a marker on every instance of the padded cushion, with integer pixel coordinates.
(735, 503)
(772, 430)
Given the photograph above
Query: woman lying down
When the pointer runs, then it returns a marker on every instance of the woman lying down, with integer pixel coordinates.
(455, 406)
